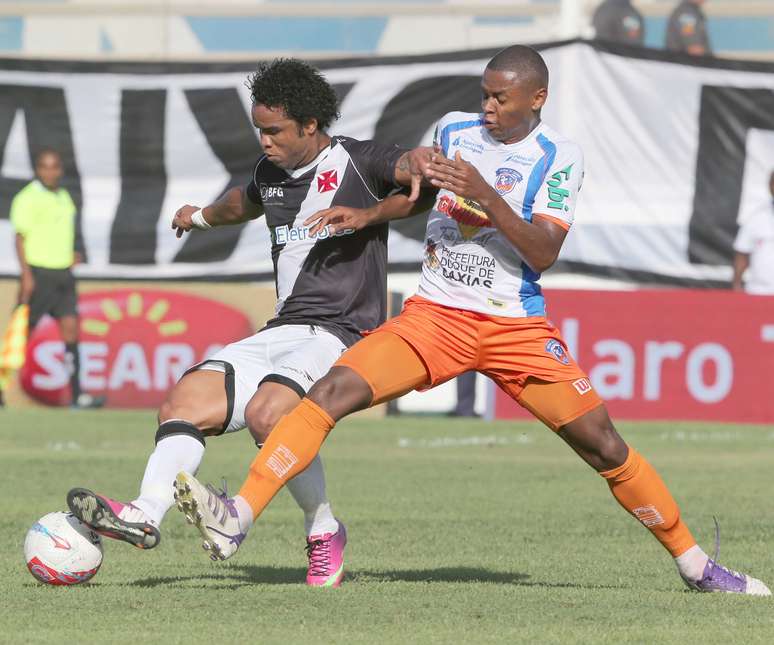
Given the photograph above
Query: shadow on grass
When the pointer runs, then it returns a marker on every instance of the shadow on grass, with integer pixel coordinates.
(237, 576)
(231, 577)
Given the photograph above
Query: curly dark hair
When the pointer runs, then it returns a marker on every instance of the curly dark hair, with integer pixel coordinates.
(298, 88)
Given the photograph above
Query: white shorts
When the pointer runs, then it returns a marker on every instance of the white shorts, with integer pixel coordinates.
(292, 355)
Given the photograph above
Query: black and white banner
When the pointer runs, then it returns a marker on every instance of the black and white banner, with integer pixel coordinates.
(678, 152)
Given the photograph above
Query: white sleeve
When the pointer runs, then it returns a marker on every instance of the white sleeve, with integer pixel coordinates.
(745, 238)
(558, 192)
(442, 123)
(450, 123)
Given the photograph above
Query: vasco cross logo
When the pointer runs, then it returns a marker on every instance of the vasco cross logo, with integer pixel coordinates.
(557, 194)
(326, 181)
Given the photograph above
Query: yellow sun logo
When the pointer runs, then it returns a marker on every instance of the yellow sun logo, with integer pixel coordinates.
(135, 308)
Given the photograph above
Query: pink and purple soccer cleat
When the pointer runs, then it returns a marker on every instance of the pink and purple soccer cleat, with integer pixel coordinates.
(113, 519)
(326, 558)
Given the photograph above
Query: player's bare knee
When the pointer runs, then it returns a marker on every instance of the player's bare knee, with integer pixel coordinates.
(166, 412)
(340, 392)
(611, 448)
(175, 409)
(261, 419)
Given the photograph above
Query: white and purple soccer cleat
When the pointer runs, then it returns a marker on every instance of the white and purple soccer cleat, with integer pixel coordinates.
(718, 578)
(113, 519)
(213, 513)
(326, 558)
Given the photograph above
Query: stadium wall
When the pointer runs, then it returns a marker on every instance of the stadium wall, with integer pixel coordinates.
(686, 354)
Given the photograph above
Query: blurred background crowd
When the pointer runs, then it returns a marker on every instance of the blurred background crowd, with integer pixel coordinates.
(235, 29)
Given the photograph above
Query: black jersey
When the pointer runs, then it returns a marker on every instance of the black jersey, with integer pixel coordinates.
(337, 282)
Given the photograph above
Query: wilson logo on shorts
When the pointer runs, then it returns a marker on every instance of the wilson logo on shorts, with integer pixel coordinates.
(648, 515)
(582, 385)
(555, 348)
(281, 461)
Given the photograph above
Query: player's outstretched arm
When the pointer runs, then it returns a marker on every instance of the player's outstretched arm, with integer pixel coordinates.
(538, 242)
(233, 207)
(344, 218)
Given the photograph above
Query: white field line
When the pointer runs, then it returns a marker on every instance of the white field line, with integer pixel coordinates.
(456, 442)
(61, 446)
(681, 436)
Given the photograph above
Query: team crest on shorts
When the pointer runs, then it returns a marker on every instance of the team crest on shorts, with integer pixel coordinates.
(554, 347)
(506, 179)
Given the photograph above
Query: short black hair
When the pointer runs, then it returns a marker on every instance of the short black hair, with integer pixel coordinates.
(296, 87)
(44, 152)
(524, 61)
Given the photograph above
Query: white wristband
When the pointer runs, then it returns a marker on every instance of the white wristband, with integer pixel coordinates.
(198, 221)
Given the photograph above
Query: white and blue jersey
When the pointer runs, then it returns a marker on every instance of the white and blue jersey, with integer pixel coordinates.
(468, 263)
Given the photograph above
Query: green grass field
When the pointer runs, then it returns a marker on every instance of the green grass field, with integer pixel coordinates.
(460, 531)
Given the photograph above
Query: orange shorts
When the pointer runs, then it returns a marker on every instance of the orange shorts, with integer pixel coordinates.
(525, 357)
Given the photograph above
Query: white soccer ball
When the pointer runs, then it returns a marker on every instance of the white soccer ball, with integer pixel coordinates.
(61, 550)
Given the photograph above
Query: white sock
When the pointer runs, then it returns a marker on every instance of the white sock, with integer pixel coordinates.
(308, 489)
(245, 513)
(691, 563)
(172, 454)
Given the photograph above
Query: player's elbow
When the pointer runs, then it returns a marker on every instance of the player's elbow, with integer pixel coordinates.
(541, 262)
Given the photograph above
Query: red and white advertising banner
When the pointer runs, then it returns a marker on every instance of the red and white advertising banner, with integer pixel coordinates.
(135, 345)
(678, 354)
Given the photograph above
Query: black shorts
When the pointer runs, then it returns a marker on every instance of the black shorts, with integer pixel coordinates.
(54, 294)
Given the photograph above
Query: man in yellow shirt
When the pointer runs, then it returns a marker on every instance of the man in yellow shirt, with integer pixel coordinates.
(43, 216)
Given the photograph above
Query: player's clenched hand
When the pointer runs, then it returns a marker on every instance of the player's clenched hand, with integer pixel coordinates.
(458, 176)
(182, 221)
(411, 169)
(339, 218)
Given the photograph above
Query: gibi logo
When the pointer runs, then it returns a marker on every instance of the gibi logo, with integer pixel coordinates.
(135, 345)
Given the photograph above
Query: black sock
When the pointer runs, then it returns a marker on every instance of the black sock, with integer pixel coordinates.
(73, 365)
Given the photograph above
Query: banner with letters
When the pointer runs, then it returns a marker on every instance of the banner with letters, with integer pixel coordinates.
(677, 152)
(685, 353)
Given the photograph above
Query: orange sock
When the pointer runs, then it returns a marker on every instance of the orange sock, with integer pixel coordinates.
(290, 448)
(639, 489)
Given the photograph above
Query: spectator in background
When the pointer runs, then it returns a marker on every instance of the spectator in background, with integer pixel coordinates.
(43, 216)
(687, 29)
(619, 21)
(754, 246)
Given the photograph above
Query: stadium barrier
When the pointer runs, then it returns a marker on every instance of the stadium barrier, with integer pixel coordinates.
(137, 338)
(652, 354)
(668, 354)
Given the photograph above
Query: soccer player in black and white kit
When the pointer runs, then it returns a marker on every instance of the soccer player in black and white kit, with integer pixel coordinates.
(330, 287)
